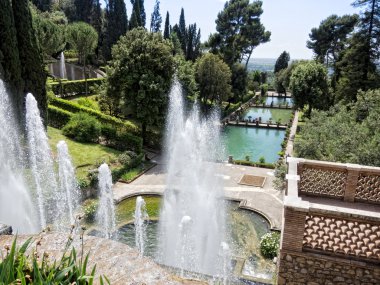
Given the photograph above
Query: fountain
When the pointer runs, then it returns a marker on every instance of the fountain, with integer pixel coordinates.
(140, 230)
(42, 167)
(67, 182)
(106, 211)
(16, 206)
(62, 67)
(192, 219)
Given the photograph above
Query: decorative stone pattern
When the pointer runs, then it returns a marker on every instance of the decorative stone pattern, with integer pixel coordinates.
(342, 236)
(304, 269)
(368, 188)
(322, 182)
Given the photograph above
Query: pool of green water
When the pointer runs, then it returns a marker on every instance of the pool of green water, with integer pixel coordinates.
(278, 101)
(268, 113)
(254, 142)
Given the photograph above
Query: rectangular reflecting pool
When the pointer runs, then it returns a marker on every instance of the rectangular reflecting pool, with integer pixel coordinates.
(278, 101)
(255, 142)
(268, 113)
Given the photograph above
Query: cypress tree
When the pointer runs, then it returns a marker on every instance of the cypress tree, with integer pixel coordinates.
(9, 57)
(156, 19)
(83, 10)
(167, 27)
(32, 69)
(135, 20)
(42, 5)
(140, 16)
(96, 22)
(182, 32)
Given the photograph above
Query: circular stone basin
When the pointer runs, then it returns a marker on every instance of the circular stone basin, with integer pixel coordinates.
(244, 230)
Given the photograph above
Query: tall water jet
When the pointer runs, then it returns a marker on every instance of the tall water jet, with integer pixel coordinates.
(16, 207)
(106, 211)
(41, 164)
(192, 222)
(67, 182)
(62, 66)
(140, 228)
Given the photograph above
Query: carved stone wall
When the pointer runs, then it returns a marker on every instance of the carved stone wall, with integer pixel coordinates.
(368, 188)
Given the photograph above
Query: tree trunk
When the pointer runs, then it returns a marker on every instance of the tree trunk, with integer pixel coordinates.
(85, 74)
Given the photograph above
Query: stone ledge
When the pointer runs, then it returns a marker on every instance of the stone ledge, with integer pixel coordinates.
(5, 230)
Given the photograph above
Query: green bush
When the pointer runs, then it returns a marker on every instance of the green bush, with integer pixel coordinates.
(255, 164)
(88, 103)
(270, 244)
(57, 117)
(103, 118)
(83, 128)
(75, 87)
(89, 208)
(120, 139)
(262, 159)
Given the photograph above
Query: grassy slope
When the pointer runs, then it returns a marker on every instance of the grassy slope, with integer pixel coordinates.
(85, 156)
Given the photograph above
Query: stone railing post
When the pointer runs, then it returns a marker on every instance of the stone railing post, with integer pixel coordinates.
(293, 229)
(352, 181)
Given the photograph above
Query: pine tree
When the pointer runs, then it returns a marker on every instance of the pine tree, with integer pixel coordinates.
(167, 27)
(9, 55)
(116, 26)
(83, 10)
(32, 69)
(156, 19)
(141, 16)
(182, 32)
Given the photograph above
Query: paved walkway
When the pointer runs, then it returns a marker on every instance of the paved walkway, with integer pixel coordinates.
(266, 200)
(293, 131)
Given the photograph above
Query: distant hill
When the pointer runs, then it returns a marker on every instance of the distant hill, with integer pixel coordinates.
(262, 64)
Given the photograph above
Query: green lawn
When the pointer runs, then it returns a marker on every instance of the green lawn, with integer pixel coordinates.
(85, 156)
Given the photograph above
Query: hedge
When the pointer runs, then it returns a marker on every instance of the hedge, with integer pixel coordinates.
(255, 164)
(103, 118)
(57, 117)
(74, 87)
(117, 173)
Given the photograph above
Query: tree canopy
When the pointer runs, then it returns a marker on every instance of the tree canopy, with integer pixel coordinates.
(140, 75)
(156, 19)
(282, 61)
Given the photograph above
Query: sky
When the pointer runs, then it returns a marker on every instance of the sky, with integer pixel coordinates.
(290, 22)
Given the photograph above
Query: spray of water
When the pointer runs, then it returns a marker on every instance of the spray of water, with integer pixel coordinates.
(16, 206)
(62, 67)
(106, 210)
(140, 227)
(67, 182)
(192, 222)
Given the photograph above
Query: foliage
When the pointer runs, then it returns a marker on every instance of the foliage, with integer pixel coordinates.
(141, 11)
(121, 139)
(32, 69)
(105, 119)
(116, 25)
(309, 86)
(126, 157)
(239, 78)
(255, 164)
(279, 181)
(42, 5)
(346, 134)
(282, 62)
(214, 78)
(83, 38)
(239, 31)
(167, 27)
(75, 87)
(58, 117)
(89, 209)
(83, 128)
(51, 37)
(270, 244)
(262, 159)
(186, 75)
(19, 267)
(140, 74)
(88, 103)
(135, 163)
(156, 19)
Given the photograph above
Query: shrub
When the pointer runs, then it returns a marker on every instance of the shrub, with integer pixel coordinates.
(270, 244)
(262, 159)
(88, 103)
(83, 128)
(74, 87)
(255, 164)
(89, 208)
(120, 139)
(103, 118)
(58, 117)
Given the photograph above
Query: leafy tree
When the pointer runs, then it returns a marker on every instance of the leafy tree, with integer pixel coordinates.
(116, 25)
(51, 37)
(141, 73)
(156, 19)
(185, 72)
(84, 39)
(42, 5)
(167, 27)
(68, 7)
(32, 69)
(308, 84)
(239, 80)
(344, 133)
(239, 31)
(214, 79)
(282, 61)
(370, 29)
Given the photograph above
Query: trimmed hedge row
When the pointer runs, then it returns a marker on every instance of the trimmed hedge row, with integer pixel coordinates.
(117, 173)
(118, 138)
(103, 118)
(255, 164)
(74, 87)
(57, 117)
